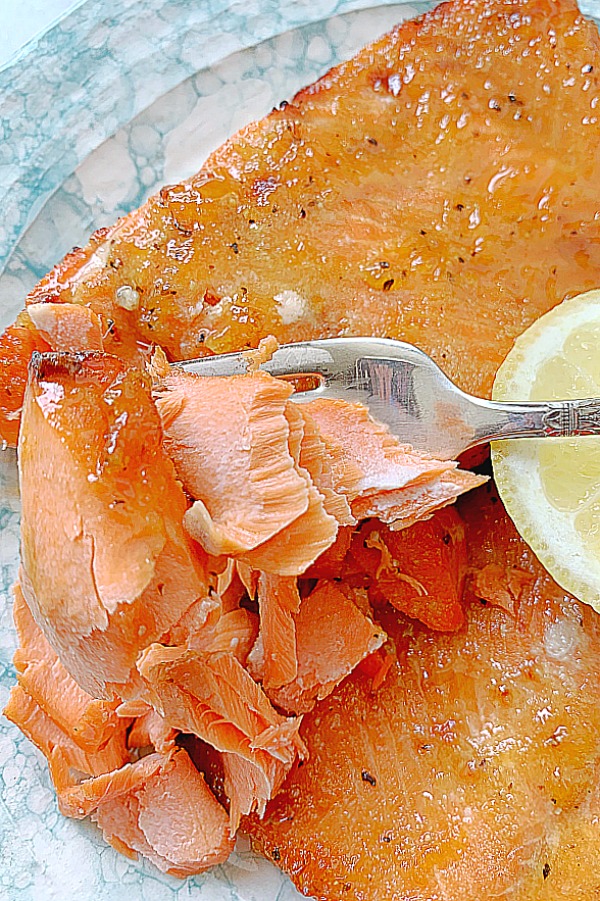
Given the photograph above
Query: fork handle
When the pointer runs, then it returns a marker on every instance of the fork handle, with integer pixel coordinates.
(551, 419)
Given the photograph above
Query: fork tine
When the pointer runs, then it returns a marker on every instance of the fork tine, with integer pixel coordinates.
(322, 359)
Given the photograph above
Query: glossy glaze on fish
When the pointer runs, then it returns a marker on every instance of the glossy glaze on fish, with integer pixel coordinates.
(473, 771)
(440, 187)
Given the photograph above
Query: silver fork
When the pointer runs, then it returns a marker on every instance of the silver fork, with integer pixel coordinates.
(405, 389)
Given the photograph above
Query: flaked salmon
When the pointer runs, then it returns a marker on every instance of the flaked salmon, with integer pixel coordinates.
(150, 730)
(171, 817)
(420, 571)
(238, 467)
(122, 653)
(94, 477)
(473, 771)
(274, 656)
(332, 636)
(66, 327)
(274, 481)
(405, 194)
(90, 722)
(47, 735)
(215, 698)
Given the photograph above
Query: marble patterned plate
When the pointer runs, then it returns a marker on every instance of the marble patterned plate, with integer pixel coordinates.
(118, 98)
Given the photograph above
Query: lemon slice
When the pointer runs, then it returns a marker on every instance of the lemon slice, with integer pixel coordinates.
(551, 487)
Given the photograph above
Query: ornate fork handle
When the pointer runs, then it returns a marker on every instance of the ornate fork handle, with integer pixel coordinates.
(553, 419)
(577, 417)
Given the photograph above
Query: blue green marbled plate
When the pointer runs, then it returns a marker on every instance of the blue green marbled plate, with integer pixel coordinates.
(118, 98)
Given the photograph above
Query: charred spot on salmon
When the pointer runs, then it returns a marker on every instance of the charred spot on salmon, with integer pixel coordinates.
(56, 365)
(546, 870)
(275, 854)
(367, 777)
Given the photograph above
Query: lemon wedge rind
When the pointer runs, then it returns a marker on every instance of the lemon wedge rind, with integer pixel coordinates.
(571, 556)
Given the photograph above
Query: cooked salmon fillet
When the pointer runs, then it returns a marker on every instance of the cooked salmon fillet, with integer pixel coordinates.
(90, 722)
(421, 191)
(47, 735)
(214, 698)
(172, 818)
(66, 327)
(273, 481)
(420, 570)
(94, 477)
(440, 187)
(227, 462)
(332, 637)
(473, 771)
(274, 657)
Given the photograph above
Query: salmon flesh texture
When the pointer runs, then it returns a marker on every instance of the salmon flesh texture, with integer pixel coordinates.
(473, 771)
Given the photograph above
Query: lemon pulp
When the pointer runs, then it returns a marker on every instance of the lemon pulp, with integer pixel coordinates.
(551, 488)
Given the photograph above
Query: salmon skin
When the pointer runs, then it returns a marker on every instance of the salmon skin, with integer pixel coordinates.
(473, 771)
(439, 188)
